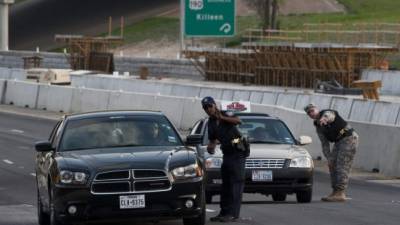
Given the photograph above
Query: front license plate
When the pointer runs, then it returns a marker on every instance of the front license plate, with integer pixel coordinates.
(262, 175)
(132, 202)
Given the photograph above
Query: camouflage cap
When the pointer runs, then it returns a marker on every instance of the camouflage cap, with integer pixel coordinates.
(309, 106)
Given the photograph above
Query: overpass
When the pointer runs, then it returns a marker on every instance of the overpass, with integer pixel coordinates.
(35, 22)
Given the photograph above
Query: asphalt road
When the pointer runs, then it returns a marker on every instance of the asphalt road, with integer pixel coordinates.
(35, 22)
(370, 204)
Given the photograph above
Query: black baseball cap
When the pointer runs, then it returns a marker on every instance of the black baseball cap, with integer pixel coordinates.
(207, 101)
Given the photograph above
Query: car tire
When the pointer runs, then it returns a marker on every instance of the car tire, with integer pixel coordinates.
(279, 197)
(209, 197)
(43, 218)
(304, 196)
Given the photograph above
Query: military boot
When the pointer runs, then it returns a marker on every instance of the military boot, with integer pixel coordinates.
(338, 196)
(329, 196)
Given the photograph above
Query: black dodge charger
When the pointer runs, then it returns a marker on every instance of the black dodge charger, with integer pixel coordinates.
(118, 166)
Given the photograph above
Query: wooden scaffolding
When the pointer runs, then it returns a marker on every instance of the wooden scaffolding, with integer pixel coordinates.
(300, 58)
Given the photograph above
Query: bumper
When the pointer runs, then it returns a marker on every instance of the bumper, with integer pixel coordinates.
(287, 180)
(106, 208)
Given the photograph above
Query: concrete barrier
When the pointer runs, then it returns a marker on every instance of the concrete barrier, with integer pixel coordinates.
(322, 101)
(385, 113)
(87, 100)
(131, 101)
(21, 93)
(185, 91)
(342, 105)
(214, 92)
(287, 100)
(379, 148)
(256, 97)
(2, 90)
(17, 74)
(227, 94)
(78, 80)
(362, 110)
(192, 112)
(55, 98)
(172, 107)
(269, 98)
(241, 95)
(5, 73)
(390, 80)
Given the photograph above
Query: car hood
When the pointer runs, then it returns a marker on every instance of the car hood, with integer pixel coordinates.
(123, 158)
(271, 151)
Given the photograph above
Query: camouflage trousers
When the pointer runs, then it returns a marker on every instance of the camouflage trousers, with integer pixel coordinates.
(341, 160)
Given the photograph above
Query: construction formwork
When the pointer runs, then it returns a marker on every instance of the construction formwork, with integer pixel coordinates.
(300, 58)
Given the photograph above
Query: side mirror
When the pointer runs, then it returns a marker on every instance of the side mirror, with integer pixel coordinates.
(305, 140)
(194, 139)
(43, 146)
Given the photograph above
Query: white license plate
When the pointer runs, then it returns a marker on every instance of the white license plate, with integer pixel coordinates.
(132, 202)
(262, 175)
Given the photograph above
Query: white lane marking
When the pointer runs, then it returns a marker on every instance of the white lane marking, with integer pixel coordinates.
(210, 210)
(23, 147)
(8, 161)
(17, 131)
(21, 167)
(33, 174)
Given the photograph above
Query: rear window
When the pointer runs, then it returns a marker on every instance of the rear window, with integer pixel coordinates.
(263, 131)
(119, 131)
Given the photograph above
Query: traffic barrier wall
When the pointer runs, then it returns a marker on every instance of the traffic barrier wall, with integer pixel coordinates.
(269, 98)
(86, 100)
(362, 110)
(55, 98)
(215, 92)
(342, 105)
(287, 100)
(256, 97)
(227, 95)
(172, 107)
(21, 93)
(5, 73)
(390, 83)
(241, 95)
(390, 80)
(322, 101)
(192, 112)
(131, 101)
(385, 113)
(2, 90)
(17, 74)
(185, 91)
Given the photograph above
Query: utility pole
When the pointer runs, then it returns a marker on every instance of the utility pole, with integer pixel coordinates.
(4, 8)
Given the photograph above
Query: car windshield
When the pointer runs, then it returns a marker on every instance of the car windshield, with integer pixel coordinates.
(263, 131)
(119, 131)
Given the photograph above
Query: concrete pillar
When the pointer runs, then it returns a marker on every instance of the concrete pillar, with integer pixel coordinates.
(4, 6)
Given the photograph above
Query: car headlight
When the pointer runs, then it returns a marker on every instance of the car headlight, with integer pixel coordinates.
(69, 177)
(301, 162)
(186, 172)
(213, 163)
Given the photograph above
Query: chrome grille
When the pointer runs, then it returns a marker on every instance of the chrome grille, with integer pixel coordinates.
(265, 163)
(130, 181)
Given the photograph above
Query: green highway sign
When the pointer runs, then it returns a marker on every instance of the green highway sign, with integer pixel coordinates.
(209, 18)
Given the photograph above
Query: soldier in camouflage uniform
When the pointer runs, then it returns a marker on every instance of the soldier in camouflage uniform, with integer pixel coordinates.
(332, 128)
